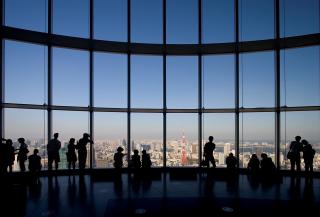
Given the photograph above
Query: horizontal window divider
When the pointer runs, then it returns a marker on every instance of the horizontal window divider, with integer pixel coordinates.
(23, 35)
(154, 110)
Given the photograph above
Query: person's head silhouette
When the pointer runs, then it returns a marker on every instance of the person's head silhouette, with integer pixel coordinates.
(298, 138)
(119, 149)
(210, 138)
(56, 135)
(21, 140)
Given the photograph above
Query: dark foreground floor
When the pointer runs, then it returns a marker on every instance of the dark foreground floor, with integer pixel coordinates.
(160, 195)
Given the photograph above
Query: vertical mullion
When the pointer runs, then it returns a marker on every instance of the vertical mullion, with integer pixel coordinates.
(200, 83)
(49, 111)
(277, 81)
(164, 68)
(236, 23)
(91, 84)
(1, 73)
(129, 79)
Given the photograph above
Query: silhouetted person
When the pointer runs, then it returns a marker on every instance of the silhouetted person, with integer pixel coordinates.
(135, 160)
(35, 165)
(71, 154)
(118, 158)
(208, 152)
(9, 156)
(53, 148)
(82, 150)
(231, 162)
(146, 162)
(3, 163)
(22, 154)
(254, 164)
(34, 162)
(295, 149)
(308, 155)
(267, 166)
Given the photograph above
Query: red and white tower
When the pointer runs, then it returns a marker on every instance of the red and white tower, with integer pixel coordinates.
(183, 152)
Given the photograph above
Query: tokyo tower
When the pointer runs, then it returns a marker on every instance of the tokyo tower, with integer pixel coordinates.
(183, 152)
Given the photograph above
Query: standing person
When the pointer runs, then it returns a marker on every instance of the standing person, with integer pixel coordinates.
(71, 154)
(146, 162)
(10, 154)
(118, 158)
(22, 154)
(308, 155)
(208, 152)
(82, 150)
(295, 149)
(53, 148)
(254, 164)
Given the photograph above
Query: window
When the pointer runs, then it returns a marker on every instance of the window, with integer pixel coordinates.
(146, 21)
(182, 22)
(30, 15)
(25, 73)
(70, 81)
(221, 127)
(304, 124)
(146, 81)
(182, 82)
(30, 125)
(70, 124)
(300, 76)
(71, 18)
(110, 20)
(182, 140)
(146, 134)
(256, 136)
(217, 21)
(110, 80)
(110, 133)
(218, 81)
(299, 17)
(257, 79)
(256, 20)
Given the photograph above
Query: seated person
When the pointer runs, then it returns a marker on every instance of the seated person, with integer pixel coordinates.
(231, 162)
(35, 162)
(146, 162)
(254, 164)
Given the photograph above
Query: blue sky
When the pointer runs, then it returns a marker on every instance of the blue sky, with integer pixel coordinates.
(26, 66)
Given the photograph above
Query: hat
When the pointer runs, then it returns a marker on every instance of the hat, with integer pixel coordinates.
(119, 149)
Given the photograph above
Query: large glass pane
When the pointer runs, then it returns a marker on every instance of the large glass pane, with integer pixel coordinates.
(110, 80)
(110, 20)
(30, 125)
(256, 136)
(71, 18)
(70, 124)
(300, 76)
(182, 82)
(110, 132)
(304, 124)
(146, 134)
(221, 127)
(299, 17)
(182, 140)
(70, 77)
(217, 21)
(146, 81)
(25, 73)
(218, 81)
(31, 15)
(182, 22)
(256, 19)
(257, 79)
(146, 21)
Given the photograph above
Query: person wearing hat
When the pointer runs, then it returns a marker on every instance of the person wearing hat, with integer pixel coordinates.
(82, 150)
(22, 154)
(118, 158)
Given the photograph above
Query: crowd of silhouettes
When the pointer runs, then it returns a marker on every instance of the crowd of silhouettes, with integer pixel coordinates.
(135, 162)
